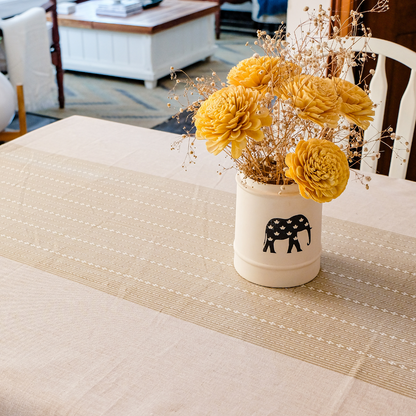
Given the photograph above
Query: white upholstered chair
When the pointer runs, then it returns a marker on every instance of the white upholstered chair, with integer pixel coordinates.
(10, 8)
(378, 93)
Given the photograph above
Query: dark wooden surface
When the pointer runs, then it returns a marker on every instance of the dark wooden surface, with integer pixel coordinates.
(168, 14)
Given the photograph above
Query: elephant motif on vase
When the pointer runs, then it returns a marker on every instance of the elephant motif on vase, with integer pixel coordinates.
(282, 229)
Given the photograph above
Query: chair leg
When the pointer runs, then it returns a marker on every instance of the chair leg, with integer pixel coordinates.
(57, 59)
(10, 135)
(60, 81)
(21, 110)
(217, 24)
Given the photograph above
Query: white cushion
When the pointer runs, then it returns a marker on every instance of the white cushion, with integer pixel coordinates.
(3, 63)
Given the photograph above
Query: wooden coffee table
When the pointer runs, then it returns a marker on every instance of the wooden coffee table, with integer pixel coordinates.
(144, 46)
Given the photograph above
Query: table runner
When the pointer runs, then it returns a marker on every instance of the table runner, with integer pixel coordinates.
(167, 245)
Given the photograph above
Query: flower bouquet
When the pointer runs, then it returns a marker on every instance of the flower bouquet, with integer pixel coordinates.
(292, 125)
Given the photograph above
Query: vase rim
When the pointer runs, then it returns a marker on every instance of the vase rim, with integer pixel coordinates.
(253, 186)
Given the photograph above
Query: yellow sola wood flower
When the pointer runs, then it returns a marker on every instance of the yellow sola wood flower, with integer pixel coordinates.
(315, 99)
(258, 72)
(320, 169)
(228, 116)
(356, 105)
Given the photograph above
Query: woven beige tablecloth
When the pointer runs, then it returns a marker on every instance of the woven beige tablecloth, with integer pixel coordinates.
(167, 245)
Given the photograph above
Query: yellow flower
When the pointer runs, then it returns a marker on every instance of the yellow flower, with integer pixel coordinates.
(258, 72)
(228, 116)
(315, 98)
(356, 105)
(320, 169)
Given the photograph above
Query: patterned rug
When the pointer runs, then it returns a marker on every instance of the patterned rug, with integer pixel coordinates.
(128, 101)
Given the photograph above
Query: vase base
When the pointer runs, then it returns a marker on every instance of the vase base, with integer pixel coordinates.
(269, 277)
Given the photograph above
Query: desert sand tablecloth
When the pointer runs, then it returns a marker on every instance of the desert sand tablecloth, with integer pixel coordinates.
(165, 245)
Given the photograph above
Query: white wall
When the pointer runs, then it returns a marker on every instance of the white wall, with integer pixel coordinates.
(296, 15)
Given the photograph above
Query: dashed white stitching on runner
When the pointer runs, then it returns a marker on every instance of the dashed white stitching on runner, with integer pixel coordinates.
(123, 215)
(271, 298)
(369, 283)
(177, 292)
(210, 280)
(359, 303)
(368, 242)
(117, 232)
(115, 180)
(396, 269)
(109, 194)
(209, 239)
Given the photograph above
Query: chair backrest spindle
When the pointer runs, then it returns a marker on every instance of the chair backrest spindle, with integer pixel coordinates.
(378, 92)
(405, 129)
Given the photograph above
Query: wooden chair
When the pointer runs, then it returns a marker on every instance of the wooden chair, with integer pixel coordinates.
(378, 93)
(6, 136)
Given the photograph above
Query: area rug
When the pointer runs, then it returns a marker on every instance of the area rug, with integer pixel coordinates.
(33, 121)
(177, 125)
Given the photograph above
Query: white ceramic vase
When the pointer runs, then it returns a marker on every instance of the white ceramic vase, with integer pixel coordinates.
(277, 234)
(7, 102)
